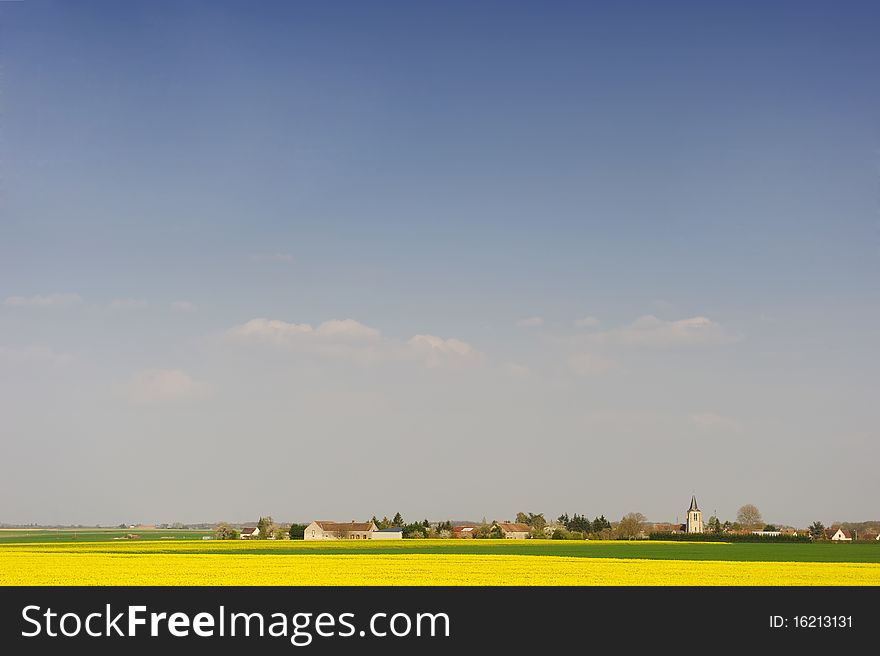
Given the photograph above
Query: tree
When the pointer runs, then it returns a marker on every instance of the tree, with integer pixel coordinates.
(297, 531)
(579, 523)
(749, 517)
(522, 518)
(397, 521)
(416, 530)
(714, 525)
(265, 525)
(483, 531)
(279, 533)
(444, 526)
(817, 530)
(631, 526)
(600, 524)
(225, 532)
(495, 532)
(770, 527)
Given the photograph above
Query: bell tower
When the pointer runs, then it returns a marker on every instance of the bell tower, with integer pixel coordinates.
(694, 517)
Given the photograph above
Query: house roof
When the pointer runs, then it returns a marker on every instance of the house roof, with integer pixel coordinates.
(693, 503)
(391, 529)
(831, 532)
(248, 530)
(343, 526)
(513, 528)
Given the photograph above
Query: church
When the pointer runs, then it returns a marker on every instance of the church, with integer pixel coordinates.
(694, 518)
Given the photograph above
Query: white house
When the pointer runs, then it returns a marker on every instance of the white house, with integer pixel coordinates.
(321, 530)
(840, 535)
(513, 531)
(249, 532)
(391, 533)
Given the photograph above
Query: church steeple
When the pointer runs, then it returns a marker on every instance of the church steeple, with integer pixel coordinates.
(694, 517)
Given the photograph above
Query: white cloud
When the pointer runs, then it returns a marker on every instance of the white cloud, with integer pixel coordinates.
(338, 338)
(436, 351)
(586, 322)
(184, 307)
(351, 340)
(128, 304)
(590, 364)
(51, 301)
(346, 329)
(530, 322)
(155, 386)
(281, 331)
(33, 354)
(272, 257)
(649, 331)
(711, 420)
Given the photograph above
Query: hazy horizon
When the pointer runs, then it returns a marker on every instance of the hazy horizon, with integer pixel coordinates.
(443, 259)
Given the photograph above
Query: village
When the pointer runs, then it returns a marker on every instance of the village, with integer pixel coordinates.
(748, 526)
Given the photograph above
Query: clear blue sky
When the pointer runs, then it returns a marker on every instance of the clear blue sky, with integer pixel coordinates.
(640, 244)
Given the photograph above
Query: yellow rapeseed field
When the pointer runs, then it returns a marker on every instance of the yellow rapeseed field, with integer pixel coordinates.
(160, 564)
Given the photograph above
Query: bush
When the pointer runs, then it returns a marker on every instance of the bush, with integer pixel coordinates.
(726, 537)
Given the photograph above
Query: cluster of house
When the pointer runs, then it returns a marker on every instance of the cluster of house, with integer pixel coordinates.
(324, 530)
(321, 530)
(844, 535)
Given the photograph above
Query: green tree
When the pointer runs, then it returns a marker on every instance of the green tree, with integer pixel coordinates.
(495, 532)
(397, 521)
(297, 531)
(817, 530)
(522, 518)
(600, 524)
(265, 525)
(414, 531)
(483, 531)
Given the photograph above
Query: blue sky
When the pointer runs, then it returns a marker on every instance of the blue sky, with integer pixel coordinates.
(639, 243)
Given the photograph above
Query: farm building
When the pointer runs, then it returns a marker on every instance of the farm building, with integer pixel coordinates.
(321, 530)
(391, 533)
(464, 531)
(513, 531)
(249, 532)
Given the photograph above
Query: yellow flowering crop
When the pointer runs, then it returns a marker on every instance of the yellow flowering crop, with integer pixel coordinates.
(150, 564)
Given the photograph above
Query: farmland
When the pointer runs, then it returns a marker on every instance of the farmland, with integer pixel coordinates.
(433, 562)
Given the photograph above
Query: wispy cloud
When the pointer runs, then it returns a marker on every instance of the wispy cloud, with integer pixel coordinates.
(50, 301)
(157, 386)
(436, 351)
(184, 307)
(586, 322)
(649, 331)
(282, 331)
(353, 340)
(530, 322)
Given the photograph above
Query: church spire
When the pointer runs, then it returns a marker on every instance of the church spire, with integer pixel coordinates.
(693, 503)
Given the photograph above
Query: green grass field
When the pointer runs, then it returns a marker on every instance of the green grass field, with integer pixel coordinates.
(103, 542)
(61, 535)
